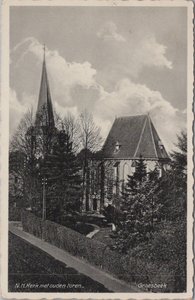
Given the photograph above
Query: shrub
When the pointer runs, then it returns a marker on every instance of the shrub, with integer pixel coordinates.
(135, 269)
(161, 274)
(50, 233)
(77, 244)
(112, 262)
(162, 259)
(73, 242)
(14, 213)
(139, 265)
(31, 223)
(93, 251)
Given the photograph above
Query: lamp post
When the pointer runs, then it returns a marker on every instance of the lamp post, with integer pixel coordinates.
(44, 183)
(31, 138)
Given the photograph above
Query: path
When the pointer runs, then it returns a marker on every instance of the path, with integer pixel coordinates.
(103, 235)
(33, 270)
(110, 282)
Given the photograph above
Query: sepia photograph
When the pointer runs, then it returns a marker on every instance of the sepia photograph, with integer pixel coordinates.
(99, 156)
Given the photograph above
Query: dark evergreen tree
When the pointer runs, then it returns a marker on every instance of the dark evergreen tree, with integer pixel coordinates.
(173, 186)
(135, 181)
(179, 175)
(140, 170)
(140, 207)
(62, 171)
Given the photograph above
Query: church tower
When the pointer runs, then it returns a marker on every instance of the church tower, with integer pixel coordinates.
(44, 127)
(44, 114)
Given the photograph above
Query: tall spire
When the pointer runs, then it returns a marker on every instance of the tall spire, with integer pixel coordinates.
(44, 114)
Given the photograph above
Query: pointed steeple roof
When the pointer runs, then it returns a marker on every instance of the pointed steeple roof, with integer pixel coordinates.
(135, 135)
(44, 114)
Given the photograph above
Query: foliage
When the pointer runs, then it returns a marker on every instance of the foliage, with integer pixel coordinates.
(90, 140)
(21, 151)
(77, 244)
(72, 128)
(140, 208)
(173, 186)
(31, 223)
(14, 213)
(153, 229)
(20, 141)
(163, 257)
(46, 153)
(148, 199)
(130, 267)
(61, 170)
(135, 181)
(112, 214)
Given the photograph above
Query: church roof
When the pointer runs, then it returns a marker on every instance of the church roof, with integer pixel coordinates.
(44, 114)
(134, 136)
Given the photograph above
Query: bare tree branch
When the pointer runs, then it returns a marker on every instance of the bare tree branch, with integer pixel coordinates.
(89, 133)
(71, 127)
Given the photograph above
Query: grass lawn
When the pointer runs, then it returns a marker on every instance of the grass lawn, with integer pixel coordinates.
(32, 270)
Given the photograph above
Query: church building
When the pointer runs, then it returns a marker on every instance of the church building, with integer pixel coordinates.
(130, 138)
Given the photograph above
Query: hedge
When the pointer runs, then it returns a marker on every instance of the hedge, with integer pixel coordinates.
(93, 251)
(125, 267)
(31, 223)
(14, 213)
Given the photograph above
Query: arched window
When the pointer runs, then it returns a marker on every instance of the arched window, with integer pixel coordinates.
(126, 172)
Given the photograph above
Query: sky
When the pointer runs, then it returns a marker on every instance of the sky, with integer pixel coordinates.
(112, 61)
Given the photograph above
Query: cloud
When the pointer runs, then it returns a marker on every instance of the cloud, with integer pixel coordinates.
(141, 52)
(129, 98)
(17, 108)
(109, 32)
(75, 86)
(64, 75)
(63, 111)
(151, 53)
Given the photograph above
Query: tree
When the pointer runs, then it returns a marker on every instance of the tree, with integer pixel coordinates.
(135, 181)
(72, 128)
(20, 141)
(179, 170)
(140, 207)
(173, 193)
(162, 200)
(33, 142)
(89, 133)
(63, 179)
(173, 186)
(23, 144)
(91, 141)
